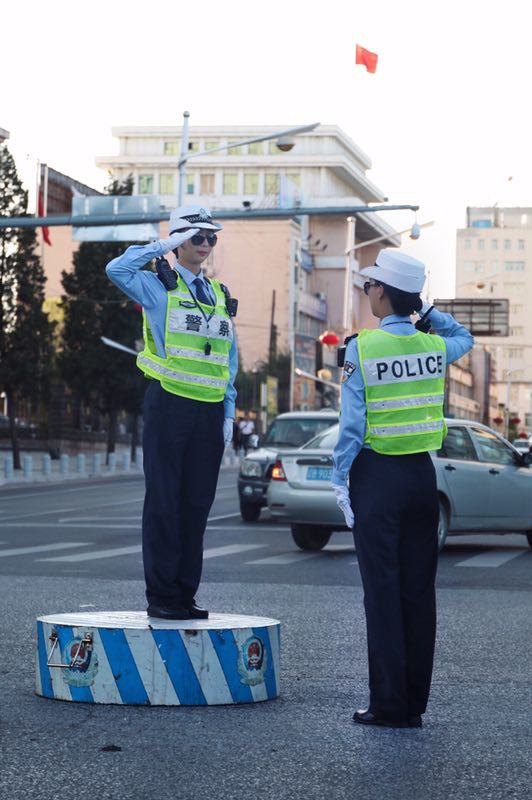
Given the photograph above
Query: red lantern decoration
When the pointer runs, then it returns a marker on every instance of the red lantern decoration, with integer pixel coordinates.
(329, 338)
(515, 421)
(498, 420)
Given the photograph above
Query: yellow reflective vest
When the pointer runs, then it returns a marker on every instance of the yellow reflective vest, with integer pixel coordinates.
(197, 342)
(404, 379)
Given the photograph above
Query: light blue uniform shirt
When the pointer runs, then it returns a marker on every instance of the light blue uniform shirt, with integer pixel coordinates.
(458, 341)
(144, 287)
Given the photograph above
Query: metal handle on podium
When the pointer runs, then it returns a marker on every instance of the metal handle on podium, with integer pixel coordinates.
(85, 642)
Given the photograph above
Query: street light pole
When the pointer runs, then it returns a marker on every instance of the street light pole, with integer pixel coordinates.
(183, 158)
(284, 143)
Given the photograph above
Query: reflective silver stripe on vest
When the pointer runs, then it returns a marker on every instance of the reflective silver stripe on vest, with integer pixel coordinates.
(406, 402)
(403, 368)
(419, 427)
(181, 376)
(182, 352)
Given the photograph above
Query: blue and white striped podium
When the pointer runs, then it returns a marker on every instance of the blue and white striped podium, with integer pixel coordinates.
(127, 658)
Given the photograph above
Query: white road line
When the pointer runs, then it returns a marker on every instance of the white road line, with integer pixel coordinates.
(493, 558)
(255, 528)
(230, 549)
(286, 558)
(38, 514)
(99, 519)
(94, 555)
(90, 525)
(223, 516)
(42, 548)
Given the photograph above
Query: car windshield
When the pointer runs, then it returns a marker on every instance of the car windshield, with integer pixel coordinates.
(326, 440)
(295, 432)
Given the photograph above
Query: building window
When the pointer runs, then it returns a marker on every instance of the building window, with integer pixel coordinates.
(520, 244)
(507, 244)
(469, 266)
(294, 177)
(193, 147)
(467, 244)
(481, 244)
(145, 184)
(516, 352)
(273, 150)
(251, 183)
(256, 149)
(517, 330)
(211, 144)
(516, 309)
(230, 183)
(236, 151)
(207, 183)
(189, 184)
(171, 148)
(271, 183)
(494, 244)
(166, 184)
(514, 266)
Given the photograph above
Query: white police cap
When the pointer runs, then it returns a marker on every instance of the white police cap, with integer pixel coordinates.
(395, 268)
(192, 217)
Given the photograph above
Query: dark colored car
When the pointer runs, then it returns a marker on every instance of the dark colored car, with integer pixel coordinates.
(287, 432)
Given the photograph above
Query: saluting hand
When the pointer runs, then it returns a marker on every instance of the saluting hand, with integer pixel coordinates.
(176, 239)
(342, 500)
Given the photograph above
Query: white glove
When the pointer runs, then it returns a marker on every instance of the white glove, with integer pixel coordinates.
(228, 431)
(176, 239)
(342, 500)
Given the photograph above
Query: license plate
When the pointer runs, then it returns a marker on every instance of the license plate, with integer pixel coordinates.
(319, 473)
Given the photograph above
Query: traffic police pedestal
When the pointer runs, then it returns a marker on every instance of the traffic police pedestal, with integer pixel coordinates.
(127, 658)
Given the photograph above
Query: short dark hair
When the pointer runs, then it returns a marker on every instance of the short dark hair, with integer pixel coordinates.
(403, 303)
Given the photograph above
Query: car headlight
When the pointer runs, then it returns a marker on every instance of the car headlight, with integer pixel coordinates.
(251, 469)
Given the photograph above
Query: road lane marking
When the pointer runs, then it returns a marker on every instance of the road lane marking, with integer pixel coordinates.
(493, 558)
(223, 516)
(42, 548)
(286, 558)
(90, 525)
(94, 555)
(229, 550)
(99, 519)
(255, 528)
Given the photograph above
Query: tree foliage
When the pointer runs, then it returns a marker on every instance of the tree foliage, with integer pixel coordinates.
(93, 307)
(26, 354)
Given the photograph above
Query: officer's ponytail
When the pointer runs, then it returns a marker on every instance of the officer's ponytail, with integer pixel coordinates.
(403, 303)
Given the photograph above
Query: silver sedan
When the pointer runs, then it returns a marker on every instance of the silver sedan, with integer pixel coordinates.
(484, 486)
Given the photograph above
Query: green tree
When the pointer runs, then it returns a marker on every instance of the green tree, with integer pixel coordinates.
(93, 308)
(26, 354)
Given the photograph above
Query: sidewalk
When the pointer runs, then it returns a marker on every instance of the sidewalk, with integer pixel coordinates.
(40, 468)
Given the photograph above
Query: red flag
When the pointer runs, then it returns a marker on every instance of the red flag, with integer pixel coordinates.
(366, 58)
(45, 230)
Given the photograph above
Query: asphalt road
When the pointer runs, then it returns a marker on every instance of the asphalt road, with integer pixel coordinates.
(76, 545)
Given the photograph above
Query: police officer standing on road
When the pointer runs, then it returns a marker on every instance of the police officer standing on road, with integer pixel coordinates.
(190, 354)
(392, 416)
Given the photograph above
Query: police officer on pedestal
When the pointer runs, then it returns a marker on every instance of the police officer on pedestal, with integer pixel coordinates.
(190, 355)
(392, 417)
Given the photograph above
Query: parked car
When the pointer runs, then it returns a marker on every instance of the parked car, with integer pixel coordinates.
(522, 445)
(287, 431)
(484, 485)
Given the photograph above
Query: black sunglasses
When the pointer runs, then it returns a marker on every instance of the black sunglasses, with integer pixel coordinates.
(199, 238)
(368, 285)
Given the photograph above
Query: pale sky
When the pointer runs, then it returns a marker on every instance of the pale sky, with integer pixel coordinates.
(445, 119)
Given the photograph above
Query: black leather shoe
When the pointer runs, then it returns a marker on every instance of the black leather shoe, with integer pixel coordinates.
(365, 717)
(196, 612)
(164, 612)
(415, 722)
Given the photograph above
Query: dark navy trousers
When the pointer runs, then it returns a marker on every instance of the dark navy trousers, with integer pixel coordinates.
(182, 448)
(395, 502)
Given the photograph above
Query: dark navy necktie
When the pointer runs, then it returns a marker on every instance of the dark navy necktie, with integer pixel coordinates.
(201, 294)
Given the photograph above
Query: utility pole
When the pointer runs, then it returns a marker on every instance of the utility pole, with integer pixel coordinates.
(272, 349)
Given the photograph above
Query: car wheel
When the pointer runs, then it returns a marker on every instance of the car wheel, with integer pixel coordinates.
(443, 525)
(250, 511)
(529, 538)
(310, 537)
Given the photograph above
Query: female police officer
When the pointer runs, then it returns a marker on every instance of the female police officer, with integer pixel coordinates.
(392, 416)
(191, 357)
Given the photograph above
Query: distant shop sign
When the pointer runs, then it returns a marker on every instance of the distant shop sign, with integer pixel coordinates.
(482, 316)
(116, 206)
